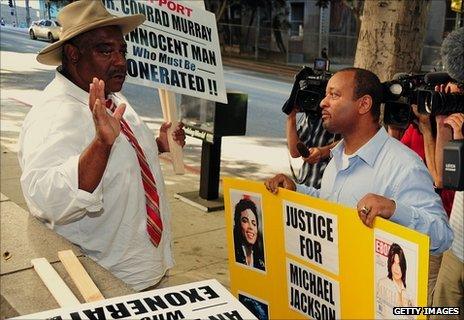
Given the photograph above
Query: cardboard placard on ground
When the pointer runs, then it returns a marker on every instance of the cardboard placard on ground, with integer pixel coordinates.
(198, 300)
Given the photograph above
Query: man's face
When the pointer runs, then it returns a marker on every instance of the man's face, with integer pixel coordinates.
(249, 226)
(339, 110)
(103, 55)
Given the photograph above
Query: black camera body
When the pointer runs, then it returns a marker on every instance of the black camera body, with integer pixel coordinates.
(309, 88)
(399, 94)
(439, 103)
(418, 89)
(311, 92)
(453, 165)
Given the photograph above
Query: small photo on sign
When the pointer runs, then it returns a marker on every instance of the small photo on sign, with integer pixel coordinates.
(258, 308)
(395, 275)
(248, 229)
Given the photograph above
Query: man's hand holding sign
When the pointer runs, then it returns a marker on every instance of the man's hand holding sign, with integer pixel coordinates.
(372, 205)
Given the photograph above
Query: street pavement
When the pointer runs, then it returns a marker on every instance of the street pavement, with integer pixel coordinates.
(199, 238)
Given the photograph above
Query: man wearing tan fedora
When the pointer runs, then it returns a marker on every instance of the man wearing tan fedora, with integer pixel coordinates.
(90, 165)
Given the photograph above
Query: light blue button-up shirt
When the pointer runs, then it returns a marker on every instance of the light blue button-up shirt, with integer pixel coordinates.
(386, 167)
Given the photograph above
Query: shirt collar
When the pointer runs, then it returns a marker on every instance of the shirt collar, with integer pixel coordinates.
(70, 88)
(369, 151)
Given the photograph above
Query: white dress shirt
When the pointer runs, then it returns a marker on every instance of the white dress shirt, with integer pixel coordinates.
(386, 167)
(109, 224)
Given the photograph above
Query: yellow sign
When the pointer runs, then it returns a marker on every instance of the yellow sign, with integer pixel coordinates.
(456, 5)
(292, 256)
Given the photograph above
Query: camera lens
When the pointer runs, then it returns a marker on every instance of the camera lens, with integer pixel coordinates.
(396, 89)
(428, 103)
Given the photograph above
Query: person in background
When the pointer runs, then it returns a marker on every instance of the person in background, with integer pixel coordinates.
(449, 288)
(419, 137)
(309, 131)
(324, 53)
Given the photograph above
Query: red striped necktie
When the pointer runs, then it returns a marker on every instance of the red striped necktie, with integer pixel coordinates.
(154, 223)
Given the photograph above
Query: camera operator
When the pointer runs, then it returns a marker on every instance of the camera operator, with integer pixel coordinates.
(369, 169)
(449, 288)
(311, 133)
(306, 137)
(419, 137)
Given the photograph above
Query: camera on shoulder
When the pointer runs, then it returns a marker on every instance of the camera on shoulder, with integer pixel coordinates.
(406, 89)
(309, 88)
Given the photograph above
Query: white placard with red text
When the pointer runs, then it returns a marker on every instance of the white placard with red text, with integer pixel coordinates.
(176, 48)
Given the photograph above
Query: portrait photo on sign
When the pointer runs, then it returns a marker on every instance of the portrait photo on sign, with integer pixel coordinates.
(259, 308)
(248, 229)
(395, 277)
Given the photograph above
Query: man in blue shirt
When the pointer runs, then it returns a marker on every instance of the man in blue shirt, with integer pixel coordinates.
(369, 169)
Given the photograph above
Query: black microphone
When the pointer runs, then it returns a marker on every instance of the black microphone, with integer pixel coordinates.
(452, 54)
(435, 78)
(304, 152)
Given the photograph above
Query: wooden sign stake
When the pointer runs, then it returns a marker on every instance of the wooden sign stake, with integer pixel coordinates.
(80, 277)
(59, 290)
(169, 107)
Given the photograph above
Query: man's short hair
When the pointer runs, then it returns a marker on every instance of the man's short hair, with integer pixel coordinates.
(367, 83)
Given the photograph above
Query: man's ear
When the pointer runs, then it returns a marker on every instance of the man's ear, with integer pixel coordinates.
(365, 104)
(71, 52)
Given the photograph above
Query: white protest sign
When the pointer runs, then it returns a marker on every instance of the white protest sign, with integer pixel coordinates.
(312, 235)
(198, 300)
(176, 48)
(311, 293)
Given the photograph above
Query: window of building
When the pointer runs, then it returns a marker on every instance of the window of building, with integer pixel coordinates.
(296, 17)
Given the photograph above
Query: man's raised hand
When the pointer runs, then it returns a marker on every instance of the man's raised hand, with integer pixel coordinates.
(107, 127)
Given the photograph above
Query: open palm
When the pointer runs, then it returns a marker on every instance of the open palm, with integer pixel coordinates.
(107, 127)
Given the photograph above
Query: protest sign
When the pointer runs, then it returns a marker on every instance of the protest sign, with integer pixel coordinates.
(198, 300)
(321, 261)
(176, 48)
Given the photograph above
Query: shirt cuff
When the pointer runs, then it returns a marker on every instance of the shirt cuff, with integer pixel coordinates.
(403, 214)
(92, 202)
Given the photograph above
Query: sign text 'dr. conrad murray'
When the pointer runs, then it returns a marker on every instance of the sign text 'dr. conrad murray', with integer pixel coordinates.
(176, 48)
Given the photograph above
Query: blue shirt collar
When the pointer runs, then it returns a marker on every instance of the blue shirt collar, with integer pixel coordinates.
(369, 151)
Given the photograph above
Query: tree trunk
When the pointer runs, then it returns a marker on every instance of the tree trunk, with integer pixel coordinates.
(391, 36)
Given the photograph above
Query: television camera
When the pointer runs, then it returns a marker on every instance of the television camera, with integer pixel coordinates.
(309, 88)
(407, 89)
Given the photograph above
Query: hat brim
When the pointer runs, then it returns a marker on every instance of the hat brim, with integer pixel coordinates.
(51, 55)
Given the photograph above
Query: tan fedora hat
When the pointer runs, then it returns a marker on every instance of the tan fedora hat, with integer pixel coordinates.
(82, 16)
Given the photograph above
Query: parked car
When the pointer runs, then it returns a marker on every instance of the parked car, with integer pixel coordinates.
(45, 29)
